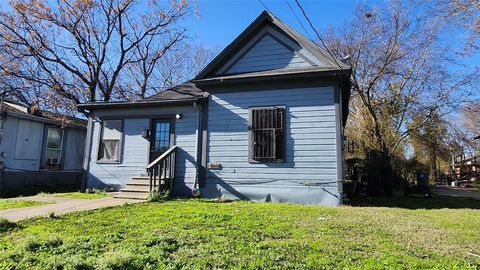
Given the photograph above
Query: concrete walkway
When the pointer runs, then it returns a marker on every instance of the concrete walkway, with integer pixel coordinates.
(59, 206)
(456, 192)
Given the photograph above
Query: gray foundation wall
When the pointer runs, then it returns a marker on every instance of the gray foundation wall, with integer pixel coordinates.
(19, 182)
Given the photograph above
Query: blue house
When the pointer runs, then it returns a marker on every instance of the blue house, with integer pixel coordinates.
(263, 121)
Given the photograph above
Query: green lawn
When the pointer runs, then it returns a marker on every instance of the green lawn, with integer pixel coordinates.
(191, 234)
(8, 204)
(77, 195)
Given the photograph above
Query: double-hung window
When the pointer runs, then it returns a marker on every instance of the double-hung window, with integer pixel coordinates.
(53, 148)
(110, 141)
(267, 134)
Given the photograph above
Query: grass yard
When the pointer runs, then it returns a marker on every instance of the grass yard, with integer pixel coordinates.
(8, 204)
(196, 234)
(77, 195)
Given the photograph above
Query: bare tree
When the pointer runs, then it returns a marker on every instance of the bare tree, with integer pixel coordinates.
(465, 13)
(400, 70)
(79, 50)
(179, 65)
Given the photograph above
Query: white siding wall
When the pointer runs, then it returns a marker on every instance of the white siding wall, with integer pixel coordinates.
(309, 173)
(135, 149)
(22, 143)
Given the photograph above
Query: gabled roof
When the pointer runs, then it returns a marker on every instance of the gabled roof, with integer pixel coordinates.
(16, 109)
(184, 93)
(186, 90)
(267, 19)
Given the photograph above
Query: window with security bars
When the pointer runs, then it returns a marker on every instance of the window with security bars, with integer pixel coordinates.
(267, 134)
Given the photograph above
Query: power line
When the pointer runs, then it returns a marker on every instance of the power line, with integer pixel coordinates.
(316, 32)
(264, 6)
(298, 19)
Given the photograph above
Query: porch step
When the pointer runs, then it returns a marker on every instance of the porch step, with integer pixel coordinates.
(138, 188)
(132, 195)
(135, 188)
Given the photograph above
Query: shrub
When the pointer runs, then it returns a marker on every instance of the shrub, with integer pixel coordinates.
(97, 191)
(159, 196)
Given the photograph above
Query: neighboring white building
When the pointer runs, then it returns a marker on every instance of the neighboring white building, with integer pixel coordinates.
(39, 150)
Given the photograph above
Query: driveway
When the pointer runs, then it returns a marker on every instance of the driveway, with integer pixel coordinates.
(60, 206)
(456, 192)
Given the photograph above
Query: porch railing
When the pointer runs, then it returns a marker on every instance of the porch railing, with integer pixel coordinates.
(162, 171)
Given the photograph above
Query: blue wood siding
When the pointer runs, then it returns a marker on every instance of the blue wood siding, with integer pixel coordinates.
(135, 149)
(268, 53)
(309, 173)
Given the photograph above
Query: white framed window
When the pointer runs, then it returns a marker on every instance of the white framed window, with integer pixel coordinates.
(53, 147)
(110, 141)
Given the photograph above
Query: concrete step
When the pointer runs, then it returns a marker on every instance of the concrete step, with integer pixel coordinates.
(141, 177)
(139, 183)
(130, 188)
(132, 195)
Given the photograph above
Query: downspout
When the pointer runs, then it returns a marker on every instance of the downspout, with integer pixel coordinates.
(202, 108)
(86, 154)
(3, 119)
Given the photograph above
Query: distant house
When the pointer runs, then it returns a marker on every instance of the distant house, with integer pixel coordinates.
(467, 168)
(39, 149)
(263, 121)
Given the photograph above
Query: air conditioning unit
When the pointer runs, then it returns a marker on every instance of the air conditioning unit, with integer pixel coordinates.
(53, 161)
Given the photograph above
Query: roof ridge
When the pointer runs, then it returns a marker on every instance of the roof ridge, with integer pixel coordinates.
(314, 45)
(265, 18)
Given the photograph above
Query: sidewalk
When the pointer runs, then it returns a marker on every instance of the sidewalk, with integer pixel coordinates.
(456, 192)
(60, 206)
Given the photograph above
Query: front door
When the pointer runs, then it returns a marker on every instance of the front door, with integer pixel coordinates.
(161, 137)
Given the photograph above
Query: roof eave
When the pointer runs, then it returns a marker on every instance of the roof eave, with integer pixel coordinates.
(139, 104)
(40, 119)
(272, 77)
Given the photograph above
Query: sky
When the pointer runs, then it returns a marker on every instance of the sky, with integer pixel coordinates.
(221, 21)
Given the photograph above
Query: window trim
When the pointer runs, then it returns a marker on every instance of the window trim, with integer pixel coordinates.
(120, 143)
(250, 135)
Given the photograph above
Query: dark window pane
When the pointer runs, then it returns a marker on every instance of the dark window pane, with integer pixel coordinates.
(162, 136)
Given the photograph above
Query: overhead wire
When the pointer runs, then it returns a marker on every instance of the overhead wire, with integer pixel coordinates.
(298, 19)
(265, 6)
(316, 32)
